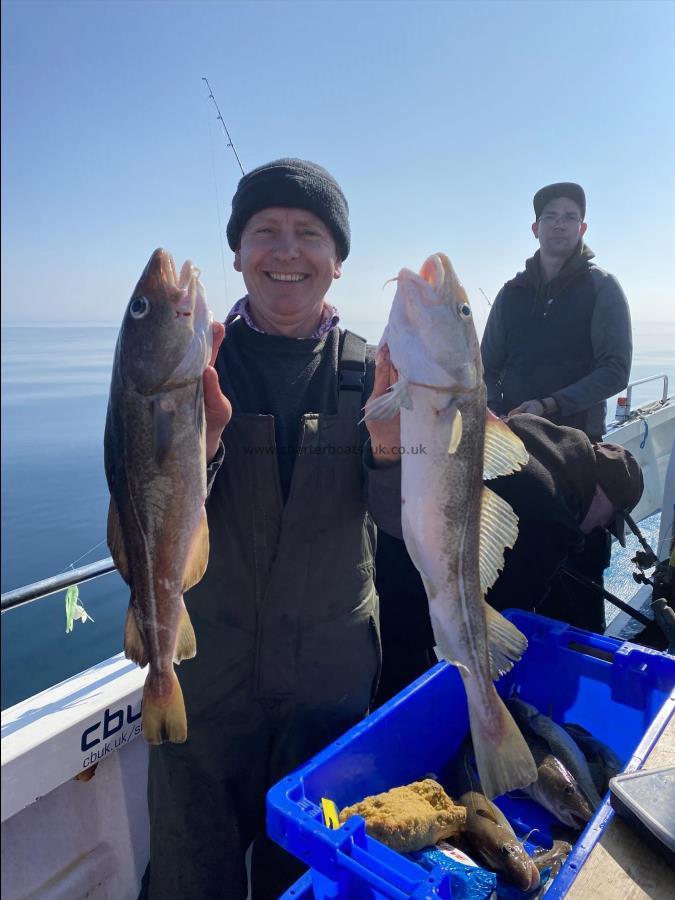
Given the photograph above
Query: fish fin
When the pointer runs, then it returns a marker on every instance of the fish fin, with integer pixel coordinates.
(389, 404)
(504, 452)
(186, 642)
(116, 541)
(198, 556)
(164, 720)
(163, 415)
(455, 433)
(134, 648)
(503, 758)
(498, 530)
(506, 644)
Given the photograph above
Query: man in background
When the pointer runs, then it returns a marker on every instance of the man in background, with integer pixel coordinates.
(557, 342)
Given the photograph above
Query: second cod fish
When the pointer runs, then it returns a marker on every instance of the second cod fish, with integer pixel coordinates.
(555, 789)
(454, 528)
(562, 746)
(155, 460)
(494, 842)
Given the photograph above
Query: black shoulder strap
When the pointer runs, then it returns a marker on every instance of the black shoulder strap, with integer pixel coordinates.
(352, 363)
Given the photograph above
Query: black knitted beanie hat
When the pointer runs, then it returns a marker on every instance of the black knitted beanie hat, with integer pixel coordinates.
(295, 183)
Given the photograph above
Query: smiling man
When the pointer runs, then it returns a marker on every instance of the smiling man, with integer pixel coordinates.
(558, 342)
(285, 617)
(289, 259)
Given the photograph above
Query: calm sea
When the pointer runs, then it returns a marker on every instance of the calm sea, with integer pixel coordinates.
(55, 499)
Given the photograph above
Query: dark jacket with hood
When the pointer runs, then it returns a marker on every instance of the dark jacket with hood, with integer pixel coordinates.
(569, 339)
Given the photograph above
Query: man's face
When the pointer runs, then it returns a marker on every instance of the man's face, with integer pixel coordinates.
(288, 259)
(601, 512)
(559, 227)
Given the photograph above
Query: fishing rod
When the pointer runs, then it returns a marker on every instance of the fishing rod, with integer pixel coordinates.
(646, 558)
(485, 295)
(230, 142)
(615, 601)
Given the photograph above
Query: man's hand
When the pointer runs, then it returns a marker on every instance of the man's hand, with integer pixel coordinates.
(217, 407)
(546, 407)
(385, 437)
(535, 407)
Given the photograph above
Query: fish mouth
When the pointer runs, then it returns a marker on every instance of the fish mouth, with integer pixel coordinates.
(433, 273)
(572, 819)
(182, 290)
(186, 294)
(437, 270)
(161, 279)
(161, 269)
(535, 877)
(579, 821)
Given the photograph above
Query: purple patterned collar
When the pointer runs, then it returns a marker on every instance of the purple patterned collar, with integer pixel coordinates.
(329, 318)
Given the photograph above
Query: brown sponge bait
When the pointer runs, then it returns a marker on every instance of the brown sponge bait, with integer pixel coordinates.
(410, 817)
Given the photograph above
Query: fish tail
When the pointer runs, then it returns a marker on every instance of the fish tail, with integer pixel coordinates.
(503, 758)
(164, 717)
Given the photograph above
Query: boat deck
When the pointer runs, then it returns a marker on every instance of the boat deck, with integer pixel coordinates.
(623, 866)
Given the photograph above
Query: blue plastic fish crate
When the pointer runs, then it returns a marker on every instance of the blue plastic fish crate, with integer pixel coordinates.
(622, 693)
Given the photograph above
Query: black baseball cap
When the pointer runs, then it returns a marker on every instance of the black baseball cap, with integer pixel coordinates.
(561, 189)
(619, 475)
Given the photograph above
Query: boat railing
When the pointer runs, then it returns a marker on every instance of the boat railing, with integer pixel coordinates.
(629, 389)
(56, 583)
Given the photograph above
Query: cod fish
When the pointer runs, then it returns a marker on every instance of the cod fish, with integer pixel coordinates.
(556, 788)
(494, 842)
(454, 528)
(155, 462)
(562, 746)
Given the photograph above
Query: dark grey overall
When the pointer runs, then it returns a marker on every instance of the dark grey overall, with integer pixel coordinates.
(288, 650)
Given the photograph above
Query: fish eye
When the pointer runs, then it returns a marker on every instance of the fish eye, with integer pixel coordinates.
(568, 789)
(464, 311)
(508, 850)
(139, 307)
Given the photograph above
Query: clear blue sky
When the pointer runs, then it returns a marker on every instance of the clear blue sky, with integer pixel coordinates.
(439, 120)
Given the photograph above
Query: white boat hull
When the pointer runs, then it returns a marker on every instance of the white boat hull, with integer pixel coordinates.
(63, 838)
(650, 440)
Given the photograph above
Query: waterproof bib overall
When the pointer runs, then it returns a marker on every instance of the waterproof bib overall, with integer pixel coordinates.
(288, 650)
